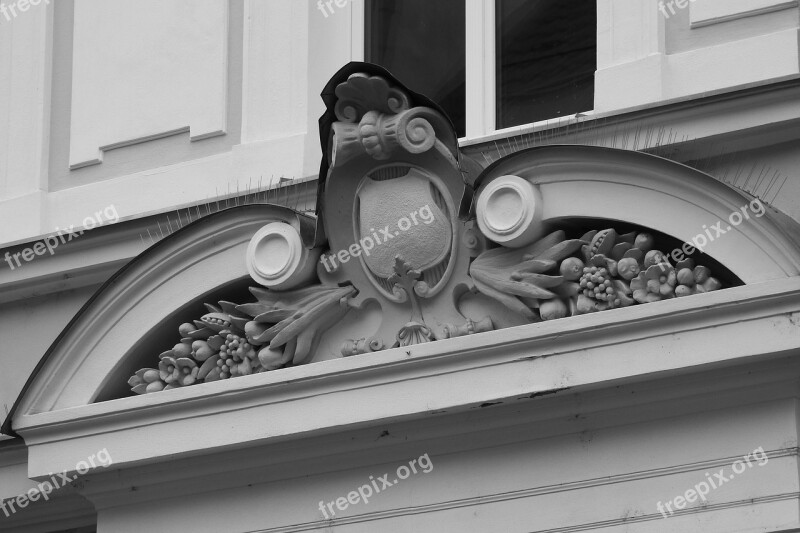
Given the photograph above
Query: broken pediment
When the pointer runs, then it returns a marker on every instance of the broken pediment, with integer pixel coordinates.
(431, 247)
(413, 242)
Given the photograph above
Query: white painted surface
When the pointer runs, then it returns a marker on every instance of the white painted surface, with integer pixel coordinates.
(277, 259)
(634, 67)
(732, 64)
(275, 81)
(24, 134)
(146, 69)
(706, 12)
(621, 443)
(280, 100)
(509, 211)
(481, 68)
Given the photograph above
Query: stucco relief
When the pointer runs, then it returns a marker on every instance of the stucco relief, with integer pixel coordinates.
(407, 234)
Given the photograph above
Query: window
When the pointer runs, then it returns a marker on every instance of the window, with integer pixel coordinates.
(546, 59)
(490, 64)
(422, 43)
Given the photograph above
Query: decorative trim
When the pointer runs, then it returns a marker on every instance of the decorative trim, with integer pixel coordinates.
(564, 487)
(631, 349)
(709, 12)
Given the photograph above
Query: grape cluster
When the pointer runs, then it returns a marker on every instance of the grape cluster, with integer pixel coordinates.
(233, 352)
(597, 284)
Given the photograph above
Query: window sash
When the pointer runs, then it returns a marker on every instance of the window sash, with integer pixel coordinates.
(481, 63)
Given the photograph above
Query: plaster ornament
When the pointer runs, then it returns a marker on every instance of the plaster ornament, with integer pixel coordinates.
(364, 345)
(277, 259)
(405, 281)
(509, 211)
(389, 154)
(362, 93)
(423, 244)
(470, 327)
(571, 268)
(505, 274)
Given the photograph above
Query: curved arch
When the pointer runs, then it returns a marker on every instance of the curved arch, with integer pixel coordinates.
(195, 260)
(574, 181)
(653, 192)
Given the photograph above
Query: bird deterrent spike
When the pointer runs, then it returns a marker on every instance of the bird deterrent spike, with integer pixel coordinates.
(785, 179)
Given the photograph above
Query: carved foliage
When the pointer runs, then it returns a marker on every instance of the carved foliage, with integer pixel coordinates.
(556, 277)
(280, 329)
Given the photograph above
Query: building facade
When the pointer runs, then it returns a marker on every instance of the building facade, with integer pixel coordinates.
(353, 266)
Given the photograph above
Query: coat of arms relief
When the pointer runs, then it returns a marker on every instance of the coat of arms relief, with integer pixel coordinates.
(427, 239)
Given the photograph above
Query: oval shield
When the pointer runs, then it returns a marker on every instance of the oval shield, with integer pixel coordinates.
(403, 215)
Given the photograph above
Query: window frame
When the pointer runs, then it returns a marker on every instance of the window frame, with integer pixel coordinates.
(481, 69)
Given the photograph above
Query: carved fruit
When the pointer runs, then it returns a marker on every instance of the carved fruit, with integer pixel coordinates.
(553, 310)
(711, 284)
(270, 358)
(683, 290)
(628, 268)
(253, 329)
(186, 328)
(686, 277)
(644, 242)
(215, 342)
(155, 386)
(602, 244)
(654, 257)
(586, 305)
(701, 274)
(572, 268)
(182, 350)
(202, 350)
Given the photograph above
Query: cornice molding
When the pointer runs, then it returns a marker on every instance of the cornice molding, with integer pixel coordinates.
(645, 341)
(94, 257)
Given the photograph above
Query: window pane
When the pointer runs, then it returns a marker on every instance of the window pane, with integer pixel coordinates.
(422, 43)
(546, 59)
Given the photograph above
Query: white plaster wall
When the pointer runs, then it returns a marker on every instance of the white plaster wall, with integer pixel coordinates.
(288, 49)
(648, 55)
(131, 104)
(607, 474)
(27, 329)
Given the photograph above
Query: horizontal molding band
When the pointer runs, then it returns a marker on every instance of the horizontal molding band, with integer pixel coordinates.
(564, 487)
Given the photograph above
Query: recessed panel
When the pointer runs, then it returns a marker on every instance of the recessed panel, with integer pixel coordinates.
(146, 69)
(707, 12)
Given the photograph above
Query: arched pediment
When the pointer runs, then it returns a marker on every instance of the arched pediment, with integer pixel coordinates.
(552, 232)
(653, 192)
(105, 337)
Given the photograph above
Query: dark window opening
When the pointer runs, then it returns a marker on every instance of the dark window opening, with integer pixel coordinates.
(423, 44)
(546, 59)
